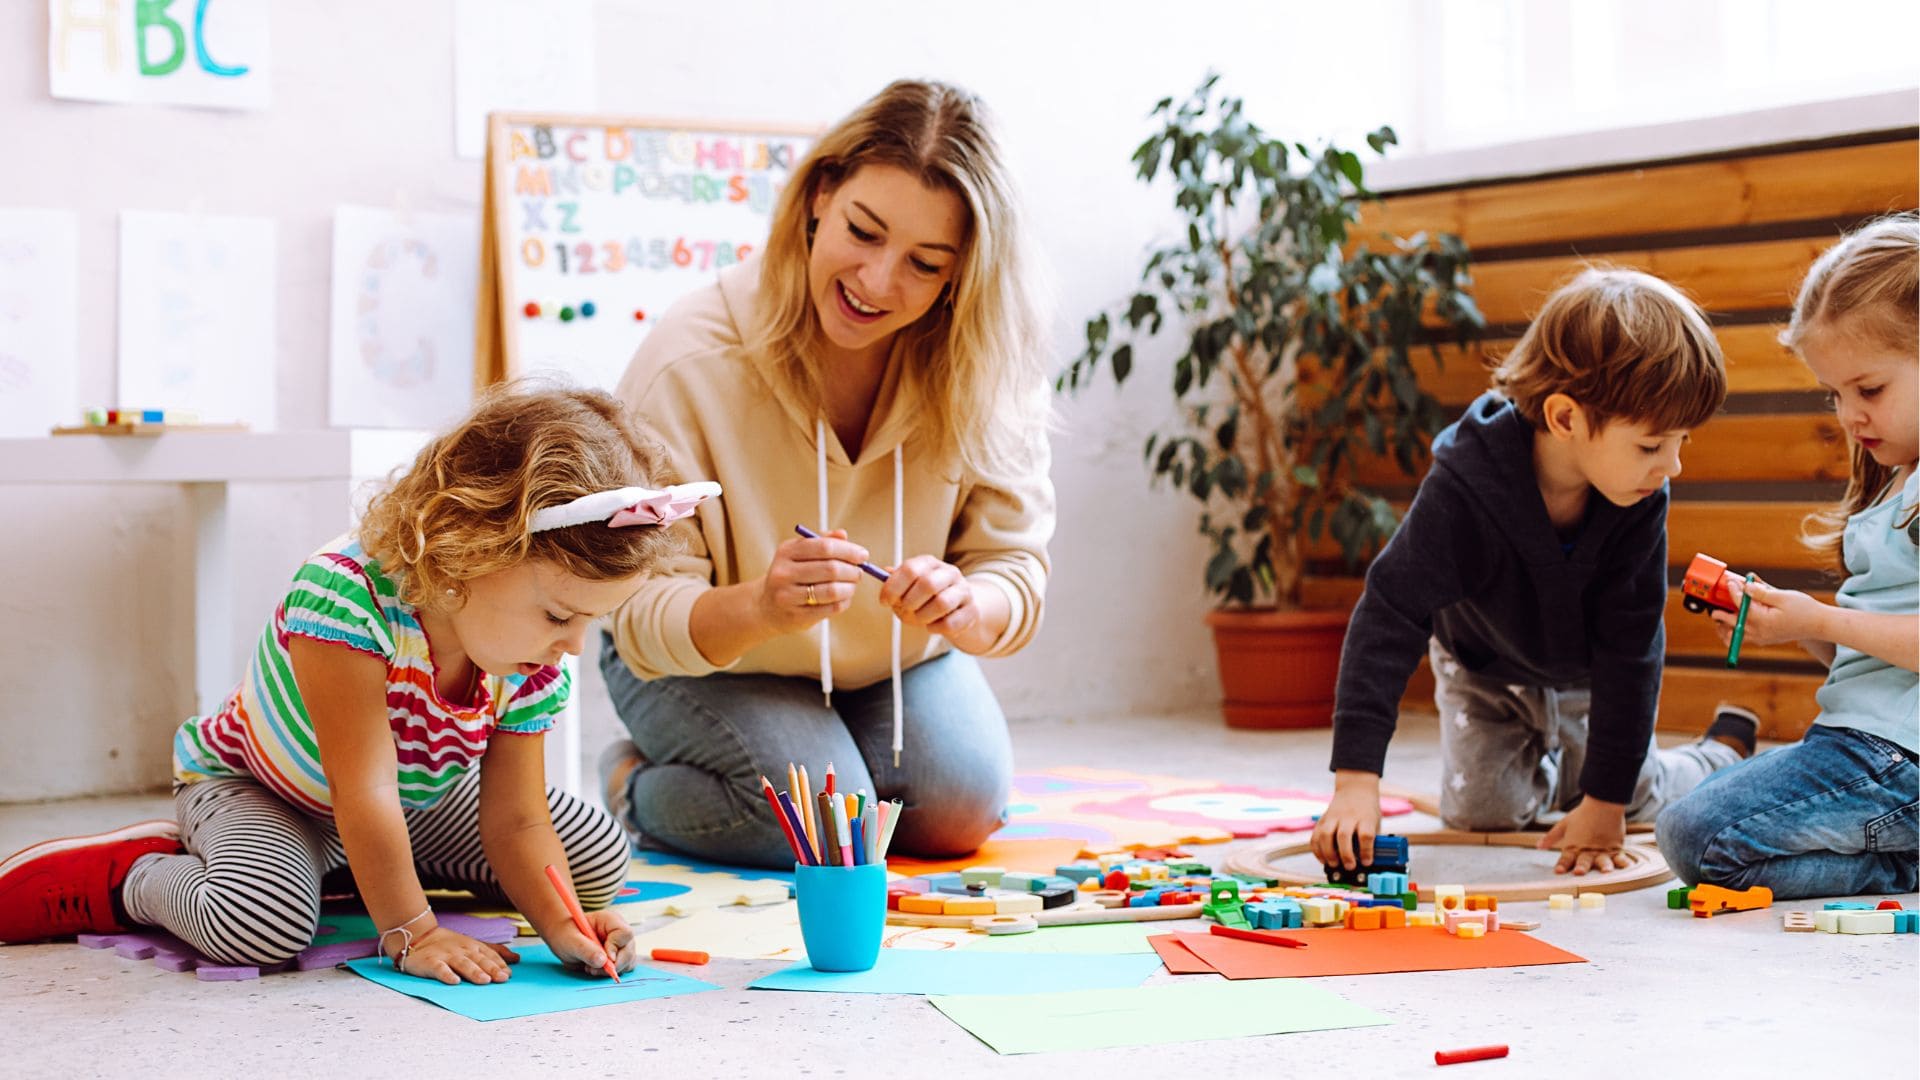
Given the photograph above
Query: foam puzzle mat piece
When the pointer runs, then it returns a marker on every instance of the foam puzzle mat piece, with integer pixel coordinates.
(332, 946)
(1123, 809)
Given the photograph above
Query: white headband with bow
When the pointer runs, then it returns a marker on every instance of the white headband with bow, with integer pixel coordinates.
(628, 506)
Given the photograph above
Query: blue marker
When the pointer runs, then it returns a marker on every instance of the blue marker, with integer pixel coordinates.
(878, 573)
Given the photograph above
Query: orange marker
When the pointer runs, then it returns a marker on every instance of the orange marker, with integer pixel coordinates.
(681, 956)
(580, 918)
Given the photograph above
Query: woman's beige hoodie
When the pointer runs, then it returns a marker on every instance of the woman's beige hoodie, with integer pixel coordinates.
(715, 407)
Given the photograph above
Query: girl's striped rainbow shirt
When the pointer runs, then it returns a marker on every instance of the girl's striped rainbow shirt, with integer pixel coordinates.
(340, 596)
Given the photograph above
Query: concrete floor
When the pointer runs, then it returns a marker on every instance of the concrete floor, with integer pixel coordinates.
(1662, 994)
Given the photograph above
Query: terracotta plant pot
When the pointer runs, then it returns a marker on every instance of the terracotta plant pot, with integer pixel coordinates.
(1278, 668)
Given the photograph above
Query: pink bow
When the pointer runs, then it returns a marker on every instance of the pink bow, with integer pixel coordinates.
(668, 506)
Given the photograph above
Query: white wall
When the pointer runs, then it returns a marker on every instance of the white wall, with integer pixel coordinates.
(96, 626)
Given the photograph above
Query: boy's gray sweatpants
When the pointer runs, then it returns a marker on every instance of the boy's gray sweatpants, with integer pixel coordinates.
(1511, 755)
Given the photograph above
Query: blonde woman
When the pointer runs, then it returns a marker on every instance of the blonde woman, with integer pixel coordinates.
(877, 374)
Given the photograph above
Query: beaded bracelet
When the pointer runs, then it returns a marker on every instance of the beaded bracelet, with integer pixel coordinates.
(406, 942)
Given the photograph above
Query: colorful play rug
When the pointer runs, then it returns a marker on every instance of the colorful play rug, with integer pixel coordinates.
(1060, 814)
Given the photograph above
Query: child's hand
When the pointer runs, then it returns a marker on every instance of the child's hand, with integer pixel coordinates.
(1774, 616)
(1590, 837)
(573, 947)
(1344, 834)
(450, 957)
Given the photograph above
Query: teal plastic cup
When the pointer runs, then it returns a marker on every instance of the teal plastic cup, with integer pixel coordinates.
(843, 910)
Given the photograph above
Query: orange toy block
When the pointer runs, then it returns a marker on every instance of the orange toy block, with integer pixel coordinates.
(1483, 902)
(1392, 918)
(965, 905)
(1710, 900)
(1369, 918)
(924, 904)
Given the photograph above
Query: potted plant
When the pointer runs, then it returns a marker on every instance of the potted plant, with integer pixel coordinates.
(1296, 365)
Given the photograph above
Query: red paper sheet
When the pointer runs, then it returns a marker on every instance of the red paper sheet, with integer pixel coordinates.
(1178, 958)
(1339, 951)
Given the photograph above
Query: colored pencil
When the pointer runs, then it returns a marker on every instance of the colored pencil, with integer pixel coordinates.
(829, 843)
(580, 919)
(1740, 625)
(859, 841)
(804, 797)
(1254, 935)
(773, 802)
(797, 832)
(873, 571)
(842, 835)
(893, 819)
(829, 786)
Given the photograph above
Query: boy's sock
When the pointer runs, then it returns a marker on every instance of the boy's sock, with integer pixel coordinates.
(1736, 727)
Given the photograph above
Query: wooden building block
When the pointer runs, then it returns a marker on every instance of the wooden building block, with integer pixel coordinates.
(1016, 903)
(1469, 931)
(924, 904)
(1797, 922)
(1827, 922)
(1866, 922)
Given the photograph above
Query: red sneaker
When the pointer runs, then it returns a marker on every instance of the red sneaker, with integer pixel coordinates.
(59, 888)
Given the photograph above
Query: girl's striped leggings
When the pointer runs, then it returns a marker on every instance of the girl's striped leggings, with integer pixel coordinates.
(247, 891)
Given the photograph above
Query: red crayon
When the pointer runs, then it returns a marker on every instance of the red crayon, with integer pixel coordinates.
(681, 956)
(580, 919)
(829, 788)
(1254, 935)
(1475, 1053)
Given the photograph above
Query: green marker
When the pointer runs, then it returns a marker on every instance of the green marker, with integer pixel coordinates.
(1740, 624)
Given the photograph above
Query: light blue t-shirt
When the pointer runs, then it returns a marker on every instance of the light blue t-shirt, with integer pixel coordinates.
(1865, 692)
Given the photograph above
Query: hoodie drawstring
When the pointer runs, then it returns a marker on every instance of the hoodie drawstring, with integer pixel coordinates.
(899, 556)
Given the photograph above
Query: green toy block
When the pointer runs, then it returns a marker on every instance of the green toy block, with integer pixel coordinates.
(1221, 892)
(1227, 914)
(1410, 901)
(1677, 898)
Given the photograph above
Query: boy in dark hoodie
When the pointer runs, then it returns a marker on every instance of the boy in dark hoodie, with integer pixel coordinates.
(1532, 569)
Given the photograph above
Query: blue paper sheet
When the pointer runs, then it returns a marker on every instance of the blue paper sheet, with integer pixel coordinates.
(540, 984)
(922, 971)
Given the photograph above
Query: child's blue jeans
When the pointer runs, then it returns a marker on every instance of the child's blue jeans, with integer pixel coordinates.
(1831, 815)
(707, 741)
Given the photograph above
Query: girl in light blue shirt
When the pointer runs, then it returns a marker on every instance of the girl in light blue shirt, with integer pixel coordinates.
(1834, 815)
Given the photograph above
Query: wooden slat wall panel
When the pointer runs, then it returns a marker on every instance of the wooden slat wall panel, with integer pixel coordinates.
(1783, 447)
(1784, 701)
(1759, 276)
(1744, 535)
(1688, 694)
(1693, 636)
(1756, 364)
(1851, 181)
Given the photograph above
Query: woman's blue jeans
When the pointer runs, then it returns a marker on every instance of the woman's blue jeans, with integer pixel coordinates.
(707, 741)
(1831, 815)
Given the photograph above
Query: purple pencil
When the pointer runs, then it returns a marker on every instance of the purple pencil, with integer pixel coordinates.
(875, 571)
(799, 830)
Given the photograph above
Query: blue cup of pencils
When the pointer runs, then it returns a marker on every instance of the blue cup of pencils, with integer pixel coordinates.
(843, 910)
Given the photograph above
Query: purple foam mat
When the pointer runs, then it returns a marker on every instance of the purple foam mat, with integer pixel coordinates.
(171, 954)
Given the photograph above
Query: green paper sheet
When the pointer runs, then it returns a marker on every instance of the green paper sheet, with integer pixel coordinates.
(540, 984)
(1151, 1015)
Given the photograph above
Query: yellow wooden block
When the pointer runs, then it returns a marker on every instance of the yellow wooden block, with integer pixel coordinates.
(1469, 930)
(1449, 897)
(924, 904)
(968, 905)
(1423, 918)
(1593, 901)
(1560, 901)
(1016, 903)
